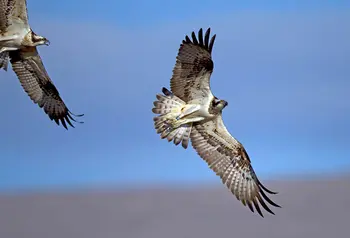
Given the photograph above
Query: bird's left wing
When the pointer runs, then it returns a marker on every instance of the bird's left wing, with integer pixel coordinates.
(34, 79)
(228, 158)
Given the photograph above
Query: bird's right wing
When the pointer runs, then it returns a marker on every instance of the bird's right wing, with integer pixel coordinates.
(10, 9)
(36, 82)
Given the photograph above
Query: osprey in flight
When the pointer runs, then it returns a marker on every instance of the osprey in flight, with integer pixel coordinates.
(18, 44)
(191, 111)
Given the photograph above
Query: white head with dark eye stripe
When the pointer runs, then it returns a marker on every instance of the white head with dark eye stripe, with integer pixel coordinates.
(38, 40)
(218, 105)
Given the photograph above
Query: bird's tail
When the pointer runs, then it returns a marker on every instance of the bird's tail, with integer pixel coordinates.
(169, 107)
(4, 59)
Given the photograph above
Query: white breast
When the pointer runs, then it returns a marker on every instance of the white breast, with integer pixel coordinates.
(204, 106)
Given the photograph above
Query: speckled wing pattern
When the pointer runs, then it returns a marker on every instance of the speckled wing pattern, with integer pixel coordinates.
(4, 60)
(193, 68)
(229, 160)
(6, 9)
(34, 79)
(12, 9)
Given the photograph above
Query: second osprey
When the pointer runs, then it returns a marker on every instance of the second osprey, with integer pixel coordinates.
(18, 43)
(191, 111)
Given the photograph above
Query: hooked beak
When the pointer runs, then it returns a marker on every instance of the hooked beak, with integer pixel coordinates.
(224, 102)
(47, 42)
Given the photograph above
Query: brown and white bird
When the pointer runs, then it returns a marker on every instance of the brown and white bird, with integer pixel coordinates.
(18, 45)
(190, 111)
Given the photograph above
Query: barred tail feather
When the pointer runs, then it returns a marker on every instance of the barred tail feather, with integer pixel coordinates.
(178, 135)
(167, 103)
(169, 107)
(4, 59)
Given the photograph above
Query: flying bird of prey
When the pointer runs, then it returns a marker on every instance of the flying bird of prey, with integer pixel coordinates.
(18, 45)
(190, 111)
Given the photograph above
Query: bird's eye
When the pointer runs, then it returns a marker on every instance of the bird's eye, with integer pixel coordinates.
(215, 102)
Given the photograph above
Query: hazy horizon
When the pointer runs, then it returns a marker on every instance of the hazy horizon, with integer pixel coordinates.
(315, 208)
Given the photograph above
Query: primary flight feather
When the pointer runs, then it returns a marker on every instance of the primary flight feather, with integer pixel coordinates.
(190, 111)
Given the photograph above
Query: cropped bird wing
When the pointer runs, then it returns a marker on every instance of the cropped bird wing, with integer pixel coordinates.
(36, 82)
(193, 68)
(229, 160)
(4, 59)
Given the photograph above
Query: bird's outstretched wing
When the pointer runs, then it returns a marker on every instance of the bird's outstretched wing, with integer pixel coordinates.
(36, 82)
(193, 68)
(229, 160)
(10, 9)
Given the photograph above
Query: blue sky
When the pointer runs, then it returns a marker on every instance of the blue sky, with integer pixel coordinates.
(283, 68)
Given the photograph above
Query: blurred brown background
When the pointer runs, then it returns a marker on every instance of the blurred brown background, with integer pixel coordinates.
(314, 208)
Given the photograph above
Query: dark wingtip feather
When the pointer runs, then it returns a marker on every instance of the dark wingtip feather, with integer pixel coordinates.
(206, 37)
(194, 38)
(263, 204)
(264, 188)
(200, 41)
(56, 120)
(67, 119)
(200, 36)
(76, 115)
(268, 199)
(211, 44)
(250, 206)
(257, 207)
(63, 122)
(260, 199)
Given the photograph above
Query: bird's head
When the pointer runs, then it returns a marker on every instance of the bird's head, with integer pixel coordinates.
(39, 40)
(219, 104)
